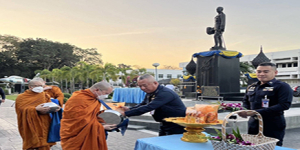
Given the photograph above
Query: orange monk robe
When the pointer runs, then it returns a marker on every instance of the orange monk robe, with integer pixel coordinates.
(80, 127)
(56, 93)
(33, 127)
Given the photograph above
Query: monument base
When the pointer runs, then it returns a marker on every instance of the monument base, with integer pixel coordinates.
(219, 71)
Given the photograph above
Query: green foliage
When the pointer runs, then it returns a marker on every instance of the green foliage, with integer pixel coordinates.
(27, 57)
(237, 133)
(67, 95)
(11, 97)
(175, 82)
(89, 55)
(6, 91)
(110, 96)
(65, 100)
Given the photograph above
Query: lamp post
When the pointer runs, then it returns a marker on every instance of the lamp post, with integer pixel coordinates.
(155, 65)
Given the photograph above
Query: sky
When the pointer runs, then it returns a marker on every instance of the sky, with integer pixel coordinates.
(143, 32)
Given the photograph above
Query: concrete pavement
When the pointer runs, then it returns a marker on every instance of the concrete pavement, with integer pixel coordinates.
(11, 140)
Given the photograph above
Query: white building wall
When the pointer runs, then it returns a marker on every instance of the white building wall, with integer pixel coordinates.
(166, 74)
(162, 74)
(287, 63)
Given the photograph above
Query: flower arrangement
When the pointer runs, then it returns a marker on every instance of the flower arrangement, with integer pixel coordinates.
(231, 106)
(234, 138)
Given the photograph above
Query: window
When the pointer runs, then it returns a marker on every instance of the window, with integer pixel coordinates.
(169, 76)
(179, 76)
(295, 64)
(160, 76)
(289, 64)
(283, 65)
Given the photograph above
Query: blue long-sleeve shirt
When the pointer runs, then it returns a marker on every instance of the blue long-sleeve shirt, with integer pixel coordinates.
(164, 101)
(279, 93)
(2, 93)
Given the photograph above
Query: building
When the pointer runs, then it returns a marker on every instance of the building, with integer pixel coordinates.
(166, 74)
(287, 63)
(162, 74)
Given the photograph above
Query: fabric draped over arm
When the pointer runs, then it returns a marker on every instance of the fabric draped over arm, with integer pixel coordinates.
(56, 93)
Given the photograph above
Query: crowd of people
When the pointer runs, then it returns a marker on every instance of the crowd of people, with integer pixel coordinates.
(82, 128)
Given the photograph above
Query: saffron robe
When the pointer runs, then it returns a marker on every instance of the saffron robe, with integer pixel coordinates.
(56, 93)
(33, 127)
(80, 126)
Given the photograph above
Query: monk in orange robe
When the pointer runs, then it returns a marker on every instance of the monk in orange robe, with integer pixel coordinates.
(52, 91)
(33, 118)
(81, 129)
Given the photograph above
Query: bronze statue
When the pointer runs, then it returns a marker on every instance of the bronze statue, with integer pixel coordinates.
(218, 30)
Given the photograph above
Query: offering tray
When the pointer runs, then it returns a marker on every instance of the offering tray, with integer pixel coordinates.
(194, 130)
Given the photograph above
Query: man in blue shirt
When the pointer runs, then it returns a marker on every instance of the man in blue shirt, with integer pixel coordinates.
(2, 93)
(269, 97)
(161, 102)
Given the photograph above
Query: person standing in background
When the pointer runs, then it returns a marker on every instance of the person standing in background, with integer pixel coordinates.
(2, 93)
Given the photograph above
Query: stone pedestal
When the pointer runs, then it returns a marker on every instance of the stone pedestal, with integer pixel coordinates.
(219, 71)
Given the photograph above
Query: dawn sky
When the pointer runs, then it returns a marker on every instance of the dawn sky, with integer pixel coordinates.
(142, 32)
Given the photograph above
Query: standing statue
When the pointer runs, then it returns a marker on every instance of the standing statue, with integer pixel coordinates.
(218, 30)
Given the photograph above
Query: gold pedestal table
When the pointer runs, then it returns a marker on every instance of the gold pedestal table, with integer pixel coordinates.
(194, 130)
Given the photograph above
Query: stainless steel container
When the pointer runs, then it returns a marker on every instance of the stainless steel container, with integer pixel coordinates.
(112, 117)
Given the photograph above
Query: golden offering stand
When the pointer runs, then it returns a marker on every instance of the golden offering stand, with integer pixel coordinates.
(194, 130)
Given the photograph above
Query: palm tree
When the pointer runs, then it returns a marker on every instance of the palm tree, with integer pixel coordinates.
(123, 69)
(96, 74)
(73, 74)
(108, 71)
(85, 70)
(57, 75)
(245, 68)
(45, 74)
(66, 74)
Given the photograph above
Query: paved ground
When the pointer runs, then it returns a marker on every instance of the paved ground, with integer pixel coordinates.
(10, 139)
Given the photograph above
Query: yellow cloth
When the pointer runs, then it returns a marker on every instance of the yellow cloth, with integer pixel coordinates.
(33, 127)
(114, 106)
(56, 93)
(80, 127)
(186, 77)
(229, 53)
(252, 75)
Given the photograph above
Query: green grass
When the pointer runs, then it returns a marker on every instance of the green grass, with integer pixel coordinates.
(11, 97)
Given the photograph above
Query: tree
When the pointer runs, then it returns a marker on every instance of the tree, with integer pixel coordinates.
(123, 69)
(175, 82)
(108, 71)
(45, 74)
(245, 68)
(44, 54)
(57, 75)
(170, 67)
(89, 55)
(8, 62)
(66, 74)
(85, 70)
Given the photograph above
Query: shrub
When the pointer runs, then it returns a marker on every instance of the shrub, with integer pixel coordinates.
(6, 91)
(66, 97)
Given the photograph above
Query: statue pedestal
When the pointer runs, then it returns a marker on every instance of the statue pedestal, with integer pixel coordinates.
(219, 71)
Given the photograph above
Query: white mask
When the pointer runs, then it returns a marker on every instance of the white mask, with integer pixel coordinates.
(102, 97)
(38, 89)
